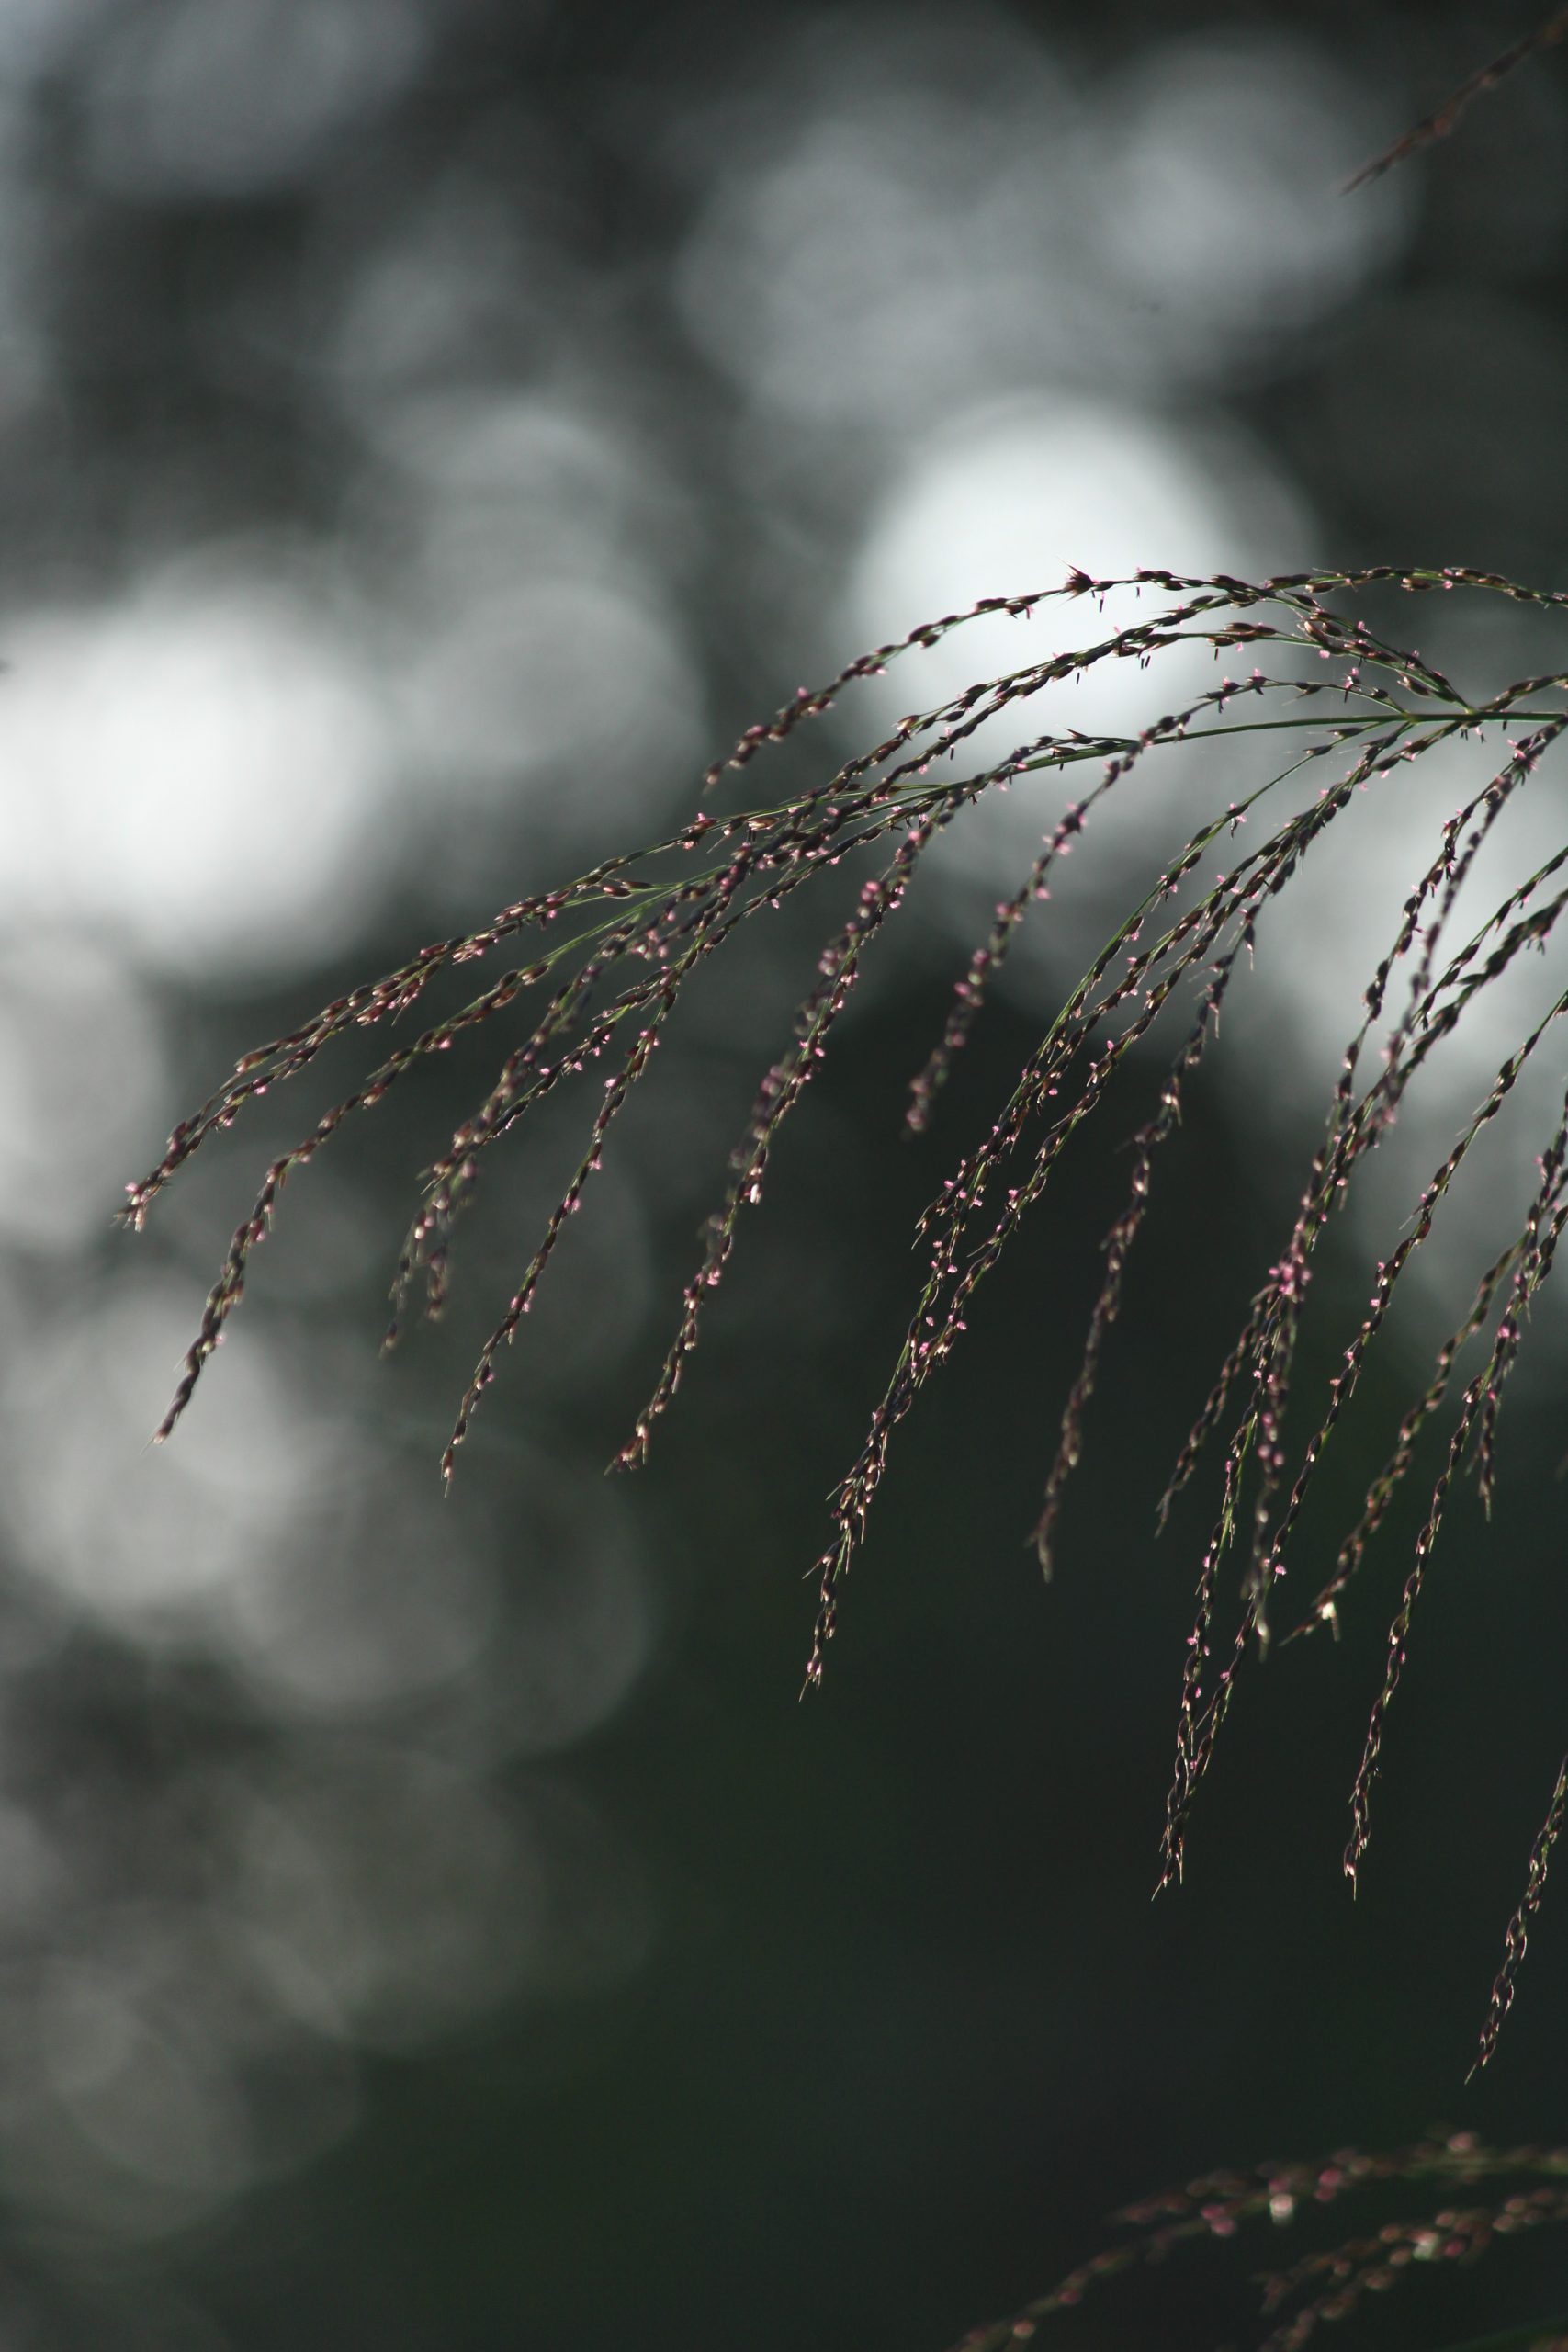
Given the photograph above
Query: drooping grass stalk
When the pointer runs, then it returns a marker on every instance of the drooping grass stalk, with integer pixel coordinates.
(613, 952)
(1270, 1331)
(1521, 2190)
(1441, 120)
(1517, 1937)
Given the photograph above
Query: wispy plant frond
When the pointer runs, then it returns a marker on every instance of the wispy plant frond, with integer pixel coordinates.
(1331, 2283)
(1514, 1943)
(1441, 120)
(614, 950)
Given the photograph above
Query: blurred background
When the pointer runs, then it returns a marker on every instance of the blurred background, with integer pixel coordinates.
(428, 429)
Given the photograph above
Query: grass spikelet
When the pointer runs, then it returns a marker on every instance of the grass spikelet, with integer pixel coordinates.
(1442, 119)
(1517, 1937)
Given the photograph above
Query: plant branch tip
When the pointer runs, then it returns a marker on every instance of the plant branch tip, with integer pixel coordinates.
(611, 979)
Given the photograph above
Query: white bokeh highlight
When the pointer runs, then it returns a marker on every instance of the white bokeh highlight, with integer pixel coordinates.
(196, 771)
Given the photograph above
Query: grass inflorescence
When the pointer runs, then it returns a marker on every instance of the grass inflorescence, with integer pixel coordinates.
(1551, 29)
(1483, 2195)
(610, 952)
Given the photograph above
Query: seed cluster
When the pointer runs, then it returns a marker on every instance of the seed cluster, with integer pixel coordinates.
(1332, 2283)
(615, 948)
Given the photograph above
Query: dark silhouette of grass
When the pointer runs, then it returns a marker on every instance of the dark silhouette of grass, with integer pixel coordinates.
(1483, 2195)
(617, 945)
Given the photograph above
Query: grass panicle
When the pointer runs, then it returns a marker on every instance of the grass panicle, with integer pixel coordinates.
(1483, 2195)
(611, 954)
